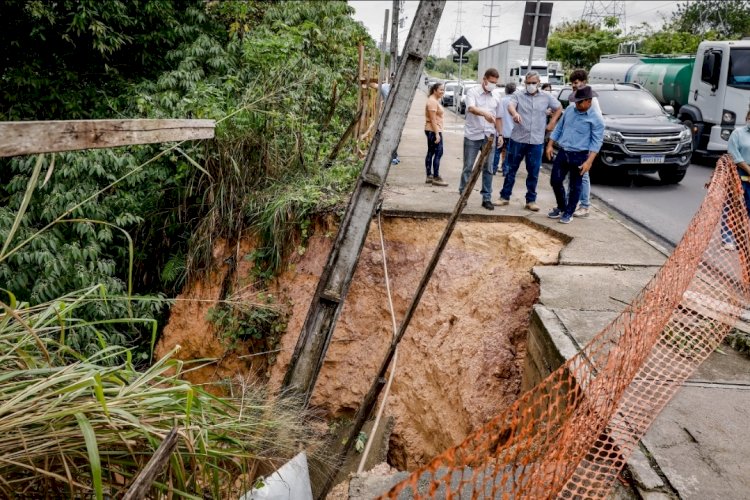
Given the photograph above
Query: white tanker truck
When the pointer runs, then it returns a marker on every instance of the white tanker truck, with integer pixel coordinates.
(709, 91)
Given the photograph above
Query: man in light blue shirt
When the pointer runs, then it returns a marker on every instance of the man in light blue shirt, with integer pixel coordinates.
(738, 148)
(579, 136)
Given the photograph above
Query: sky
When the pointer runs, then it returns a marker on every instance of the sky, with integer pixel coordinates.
(470, 19)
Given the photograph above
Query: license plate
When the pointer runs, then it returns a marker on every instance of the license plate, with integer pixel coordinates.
(652, 159)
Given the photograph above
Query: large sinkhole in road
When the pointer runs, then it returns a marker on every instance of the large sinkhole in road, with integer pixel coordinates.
(461, 360)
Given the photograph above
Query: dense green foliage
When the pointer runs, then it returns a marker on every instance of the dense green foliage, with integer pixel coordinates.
(723, 19)
(75, 58)
(668, 41)
(579, 44)
(282, 72)
(444, 67)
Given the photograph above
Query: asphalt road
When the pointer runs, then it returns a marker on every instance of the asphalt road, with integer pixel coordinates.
(663, 211)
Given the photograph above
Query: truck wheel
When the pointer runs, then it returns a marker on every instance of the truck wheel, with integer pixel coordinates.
(671, 175)
(689, 124)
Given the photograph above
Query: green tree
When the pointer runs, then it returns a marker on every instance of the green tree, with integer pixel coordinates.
(446, 67)
(664, 41)
(290, 66)
(727, 19)
(75, 58)
(579, 44)
(473, 65)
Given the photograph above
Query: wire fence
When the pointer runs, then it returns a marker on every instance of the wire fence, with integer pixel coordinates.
(571, 435)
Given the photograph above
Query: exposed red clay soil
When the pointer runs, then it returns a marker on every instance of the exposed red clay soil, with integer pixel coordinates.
(461, 359)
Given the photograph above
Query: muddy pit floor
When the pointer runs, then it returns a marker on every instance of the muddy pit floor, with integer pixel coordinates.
(460, 361)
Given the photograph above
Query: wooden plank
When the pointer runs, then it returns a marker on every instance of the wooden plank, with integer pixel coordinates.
(142, 483)
(23, 138)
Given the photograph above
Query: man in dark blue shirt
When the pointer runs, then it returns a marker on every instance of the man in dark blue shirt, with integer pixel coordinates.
(579, 136)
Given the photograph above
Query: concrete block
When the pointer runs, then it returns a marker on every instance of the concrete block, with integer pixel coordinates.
(590, 288)
(644, 476)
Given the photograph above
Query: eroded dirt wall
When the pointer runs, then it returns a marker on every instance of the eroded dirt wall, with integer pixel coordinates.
(460, 362)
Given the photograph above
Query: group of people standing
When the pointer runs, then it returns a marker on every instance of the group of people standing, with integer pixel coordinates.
(517, 122)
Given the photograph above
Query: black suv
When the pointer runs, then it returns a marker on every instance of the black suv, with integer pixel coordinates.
(640, 135)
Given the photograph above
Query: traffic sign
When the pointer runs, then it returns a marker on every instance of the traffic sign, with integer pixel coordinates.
(462, 45)
(459, 59)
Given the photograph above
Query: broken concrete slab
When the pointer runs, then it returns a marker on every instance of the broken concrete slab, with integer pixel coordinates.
(701, 442)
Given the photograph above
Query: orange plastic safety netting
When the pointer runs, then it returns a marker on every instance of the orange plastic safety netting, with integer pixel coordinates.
(571, 435)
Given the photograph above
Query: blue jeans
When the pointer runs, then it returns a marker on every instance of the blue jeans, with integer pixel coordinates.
(586, 191)
(434, 153)
(567, 163)
(496, 159)
(471, 151)
(516, 152)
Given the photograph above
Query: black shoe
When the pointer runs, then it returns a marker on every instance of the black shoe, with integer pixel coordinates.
(488, 205)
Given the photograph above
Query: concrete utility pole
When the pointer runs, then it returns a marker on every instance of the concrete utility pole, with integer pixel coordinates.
(533, 34)
(491, 17)
(381, 73)
(394, 35)
(330, 294)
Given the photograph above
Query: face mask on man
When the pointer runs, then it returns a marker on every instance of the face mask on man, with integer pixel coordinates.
(490, 86)
(531, 88)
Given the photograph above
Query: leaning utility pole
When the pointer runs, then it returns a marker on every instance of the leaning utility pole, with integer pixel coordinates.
(381, 73)
(335, 279)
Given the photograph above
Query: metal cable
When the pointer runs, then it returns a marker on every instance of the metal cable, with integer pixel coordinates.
(395, 356)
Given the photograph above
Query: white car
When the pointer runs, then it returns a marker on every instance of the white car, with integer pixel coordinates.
(451, 89)
(462, 100)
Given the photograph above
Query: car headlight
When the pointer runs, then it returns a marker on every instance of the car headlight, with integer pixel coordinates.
(612, 136)
(686, 135)
(727, 117)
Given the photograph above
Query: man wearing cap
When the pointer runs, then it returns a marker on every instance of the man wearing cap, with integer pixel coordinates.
(579, 136)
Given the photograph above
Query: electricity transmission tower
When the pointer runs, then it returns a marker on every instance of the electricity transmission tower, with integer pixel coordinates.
(457, 31)
(597, 11)
(494, 12)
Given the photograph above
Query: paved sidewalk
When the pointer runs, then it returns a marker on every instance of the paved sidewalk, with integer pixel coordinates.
(699, 446)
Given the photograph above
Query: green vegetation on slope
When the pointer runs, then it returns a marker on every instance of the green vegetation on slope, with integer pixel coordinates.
(283, 72)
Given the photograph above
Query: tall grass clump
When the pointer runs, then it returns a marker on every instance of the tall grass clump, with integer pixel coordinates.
(80, 426)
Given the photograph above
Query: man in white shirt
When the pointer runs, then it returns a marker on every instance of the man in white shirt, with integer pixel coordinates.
(482, 124)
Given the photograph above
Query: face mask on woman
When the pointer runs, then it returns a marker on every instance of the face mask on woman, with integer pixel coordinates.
(531, 88)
